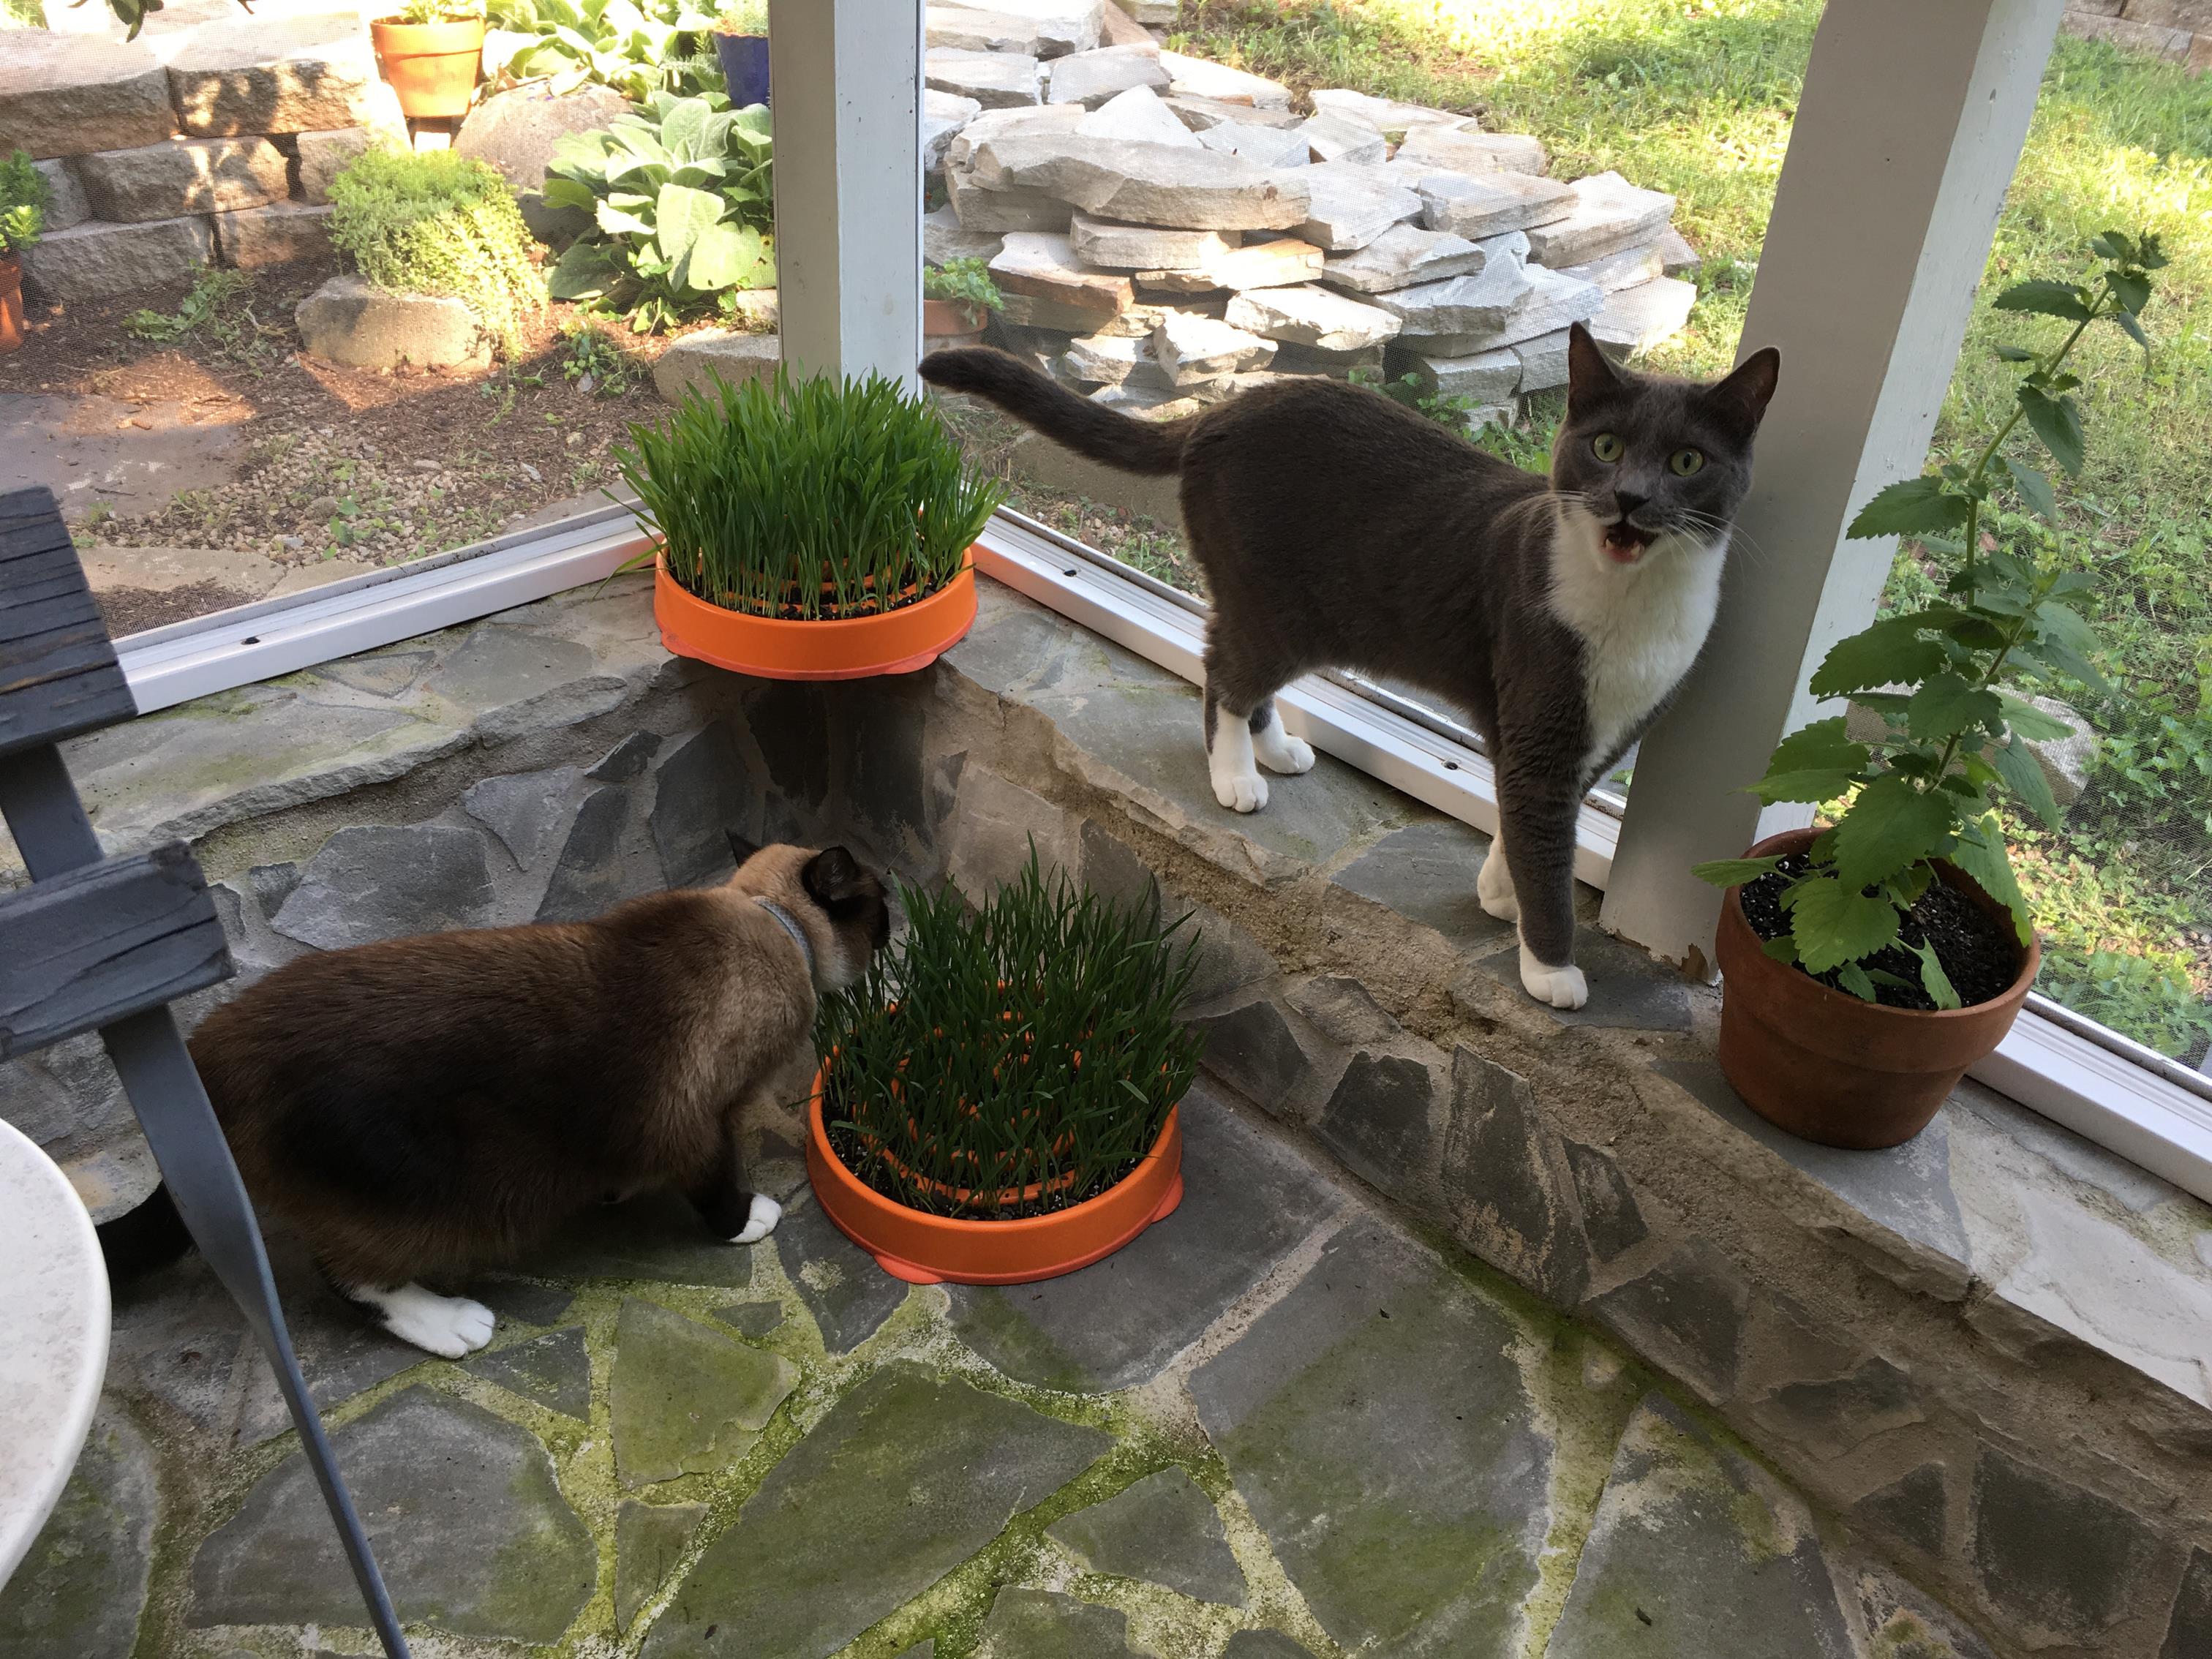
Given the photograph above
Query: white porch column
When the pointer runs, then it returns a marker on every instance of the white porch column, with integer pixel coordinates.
(1906, 136)
(845, 79)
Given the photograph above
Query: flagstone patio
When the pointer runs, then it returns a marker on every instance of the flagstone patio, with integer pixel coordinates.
(1277, 1424)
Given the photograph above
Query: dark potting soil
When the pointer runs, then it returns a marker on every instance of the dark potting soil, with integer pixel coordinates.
(1979, 953)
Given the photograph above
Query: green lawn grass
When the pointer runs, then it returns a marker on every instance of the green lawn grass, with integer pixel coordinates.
(1696, 97)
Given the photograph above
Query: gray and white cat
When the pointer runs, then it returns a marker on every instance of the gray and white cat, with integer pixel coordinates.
(1338, 528)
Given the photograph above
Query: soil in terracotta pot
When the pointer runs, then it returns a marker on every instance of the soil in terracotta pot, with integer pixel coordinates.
(1980, 955)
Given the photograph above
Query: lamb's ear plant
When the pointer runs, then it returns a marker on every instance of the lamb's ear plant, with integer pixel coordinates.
(1953, 751)
(1011, 1060)
(808, 499)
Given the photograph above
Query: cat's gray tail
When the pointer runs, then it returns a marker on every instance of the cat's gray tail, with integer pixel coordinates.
(1088, 428)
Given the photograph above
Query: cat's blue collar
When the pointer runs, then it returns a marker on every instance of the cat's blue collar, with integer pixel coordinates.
(789, 923)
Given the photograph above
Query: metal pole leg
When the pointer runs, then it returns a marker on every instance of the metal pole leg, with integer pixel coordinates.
(180, 1126)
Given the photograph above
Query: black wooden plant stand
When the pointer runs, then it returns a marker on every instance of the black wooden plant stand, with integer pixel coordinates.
(107, 943)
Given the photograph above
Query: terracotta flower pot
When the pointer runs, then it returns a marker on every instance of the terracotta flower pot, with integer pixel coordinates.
(1825, 1066)
(432, 66)
(951, 323)
(776, 648)
(11, 302)
(931, 1249)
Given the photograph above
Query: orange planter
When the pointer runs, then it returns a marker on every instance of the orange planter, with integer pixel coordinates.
(432, 66)
(11, 303)
(931, 1249)
(774, 649)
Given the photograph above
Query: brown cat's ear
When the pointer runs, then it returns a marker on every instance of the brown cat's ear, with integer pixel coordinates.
(835, 880)
(1745, 394)
(740, 848)
(1589, 372)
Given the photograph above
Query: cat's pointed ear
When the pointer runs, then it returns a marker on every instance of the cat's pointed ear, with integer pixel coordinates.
(1744, 395)
(835, 880)
(1589, 372)
(740, 848)
(832, 875)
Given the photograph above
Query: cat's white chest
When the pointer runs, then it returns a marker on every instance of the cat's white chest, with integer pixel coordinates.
(1642, 626)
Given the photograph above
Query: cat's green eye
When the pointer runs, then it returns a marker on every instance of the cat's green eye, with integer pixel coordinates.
(1686, 461)
(1606, 446)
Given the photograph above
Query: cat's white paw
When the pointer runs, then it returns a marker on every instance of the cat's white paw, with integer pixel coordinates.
(1279, 751)
(447, 1326)
(760, 1220)
(1247, 794)
(1494, 887)
(1561, 987)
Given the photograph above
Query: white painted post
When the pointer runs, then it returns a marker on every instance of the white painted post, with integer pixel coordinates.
(1906, 136)
(845, 83)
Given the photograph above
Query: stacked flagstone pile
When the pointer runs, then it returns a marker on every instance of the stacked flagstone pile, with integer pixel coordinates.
(1169, 231)
(213, 136)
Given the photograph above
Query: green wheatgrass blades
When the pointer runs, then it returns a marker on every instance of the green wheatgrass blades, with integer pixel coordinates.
(1032, 1043)
(808, 499)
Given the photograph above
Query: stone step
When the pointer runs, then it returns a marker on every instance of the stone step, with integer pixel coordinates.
(97, 260)
(64, 94)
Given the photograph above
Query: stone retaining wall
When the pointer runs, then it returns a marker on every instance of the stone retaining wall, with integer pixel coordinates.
(2178, 30)
(211, 138)
(1167, 231)
(1988, 1354)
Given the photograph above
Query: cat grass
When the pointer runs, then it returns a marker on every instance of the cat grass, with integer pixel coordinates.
(808, 499)
(1013, 1059)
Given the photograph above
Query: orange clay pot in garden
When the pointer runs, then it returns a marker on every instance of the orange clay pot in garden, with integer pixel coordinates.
(948, 323)
(929, 1249)
(998, 1097)
(11, 304)
(810, 529)
(1830, 1067)
(432, 66)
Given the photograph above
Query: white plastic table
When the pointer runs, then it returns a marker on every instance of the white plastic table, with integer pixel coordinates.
(53, 1338)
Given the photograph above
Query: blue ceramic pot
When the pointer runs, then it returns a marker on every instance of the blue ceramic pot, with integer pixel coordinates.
(745, 66)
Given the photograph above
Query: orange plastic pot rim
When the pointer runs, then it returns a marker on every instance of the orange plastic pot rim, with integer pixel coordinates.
(924, 1248)
(849, 647)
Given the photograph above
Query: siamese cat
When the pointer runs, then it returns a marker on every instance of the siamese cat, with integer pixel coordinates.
(1338, 528)
(418, 1107)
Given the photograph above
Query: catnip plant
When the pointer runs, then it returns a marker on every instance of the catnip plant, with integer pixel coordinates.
(1953, 750)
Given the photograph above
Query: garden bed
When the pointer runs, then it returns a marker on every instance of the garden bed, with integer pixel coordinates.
(329, 465)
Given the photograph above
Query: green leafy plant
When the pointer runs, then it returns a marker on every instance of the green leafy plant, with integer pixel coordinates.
(742, 17)
(964, 281)
(1011, 1060)
(25, 196)
(638, 47)
(682, 196)
(1955, 741)
(218, 313)
(808, 499)
(436, 222)
(592, 363)
(1448, 409)
(420, 12)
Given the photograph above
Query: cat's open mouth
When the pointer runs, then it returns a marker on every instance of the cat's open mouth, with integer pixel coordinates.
(1624, 543)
